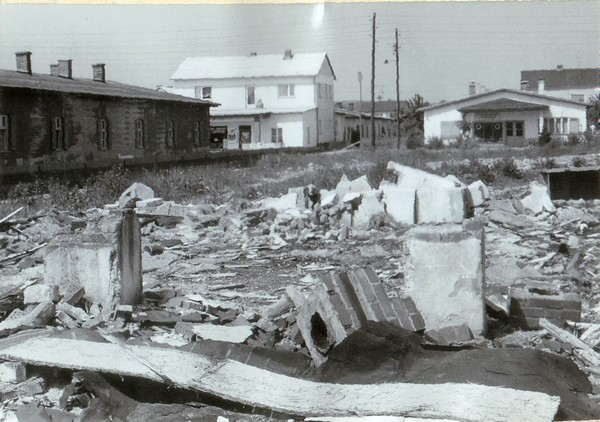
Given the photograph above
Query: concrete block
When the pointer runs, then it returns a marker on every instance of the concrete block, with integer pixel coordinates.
(285, 202)
(538, 199)
(457, 183)
(153, 202)
(343, 187)
(369, 207)
(108, 270)
(360, 184)
(12, 372)
(400, 205)
(39, 316)
(439, 205)
(451, 335)
(135, 192)
(444, 275)
(328, 200)
(478, 193)
(39, 293)
(404, 177)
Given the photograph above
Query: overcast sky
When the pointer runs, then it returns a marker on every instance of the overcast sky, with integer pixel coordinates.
(444, 46)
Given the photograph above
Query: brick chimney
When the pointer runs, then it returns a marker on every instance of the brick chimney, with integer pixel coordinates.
(99, 72)
(64, 69)
(524, 85)
(472, 88)
(559, 67)
(541, 86)
(24, 62)
(54, 69)
(287, 55)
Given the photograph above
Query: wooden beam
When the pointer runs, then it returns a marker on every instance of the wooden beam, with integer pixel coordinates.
(256, 387)
(581, 348)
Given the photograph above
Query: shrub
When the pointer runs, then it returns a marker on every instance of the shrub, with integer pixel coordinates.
(573, 139)
(435, 142)
(545, 138)
(547, 163)
(414, 142)
(476, 170)
(508, 167)
(579, 162)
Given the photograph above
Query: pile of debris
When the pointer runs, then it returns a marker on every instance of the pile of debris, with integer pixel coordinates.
(206, 299)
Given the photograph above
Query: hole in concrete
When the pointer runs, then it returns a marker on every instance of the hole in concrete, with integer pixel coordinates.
(318, 332)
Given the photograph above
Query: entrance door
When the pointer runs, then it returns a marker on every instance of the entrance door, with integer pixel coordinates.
(515, 133)
(245, 135)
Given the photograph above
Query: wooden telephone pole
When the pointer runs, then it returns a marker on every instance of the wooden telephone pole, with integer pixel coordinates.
(373, 86)
(396, 50)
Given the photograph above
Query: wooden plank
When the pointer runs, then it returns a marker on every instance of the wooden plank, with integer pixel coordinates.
(12, 214)
(581, 349)
(241, 383)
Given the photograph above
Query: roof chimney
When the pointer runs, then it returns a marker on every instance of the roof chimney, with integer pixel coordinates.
(99, 72)
(472, 88)
(253, 53)
(287, 55)
(64, 69)
(559, 67)
(54, 69)
(524, 85)
(24, 62)
(541, 86)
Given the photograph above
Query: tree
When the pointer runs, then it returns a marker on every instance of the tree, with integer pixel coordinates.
(413, 114)
(593, 112)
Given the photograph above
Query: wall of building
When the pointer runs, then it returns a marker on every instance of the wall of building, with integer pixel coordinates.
(569, 94)
(32, 112)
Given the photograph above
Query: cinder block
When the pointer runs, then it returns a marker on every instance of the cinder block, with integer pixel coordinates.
(444, 274)
(107, 267)
(12, 372)
(39, 293)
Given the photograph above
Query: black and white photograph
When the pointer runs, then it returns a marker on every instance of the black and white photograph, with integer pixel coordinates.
(320, 211)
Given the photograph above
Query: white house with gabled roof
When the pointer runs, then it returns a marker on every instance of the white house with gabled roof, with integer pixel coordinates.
(505, 115)
(266, 101)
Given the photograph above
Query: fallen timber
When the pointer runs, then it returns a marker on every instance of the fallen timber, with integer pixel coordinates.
(240, 383)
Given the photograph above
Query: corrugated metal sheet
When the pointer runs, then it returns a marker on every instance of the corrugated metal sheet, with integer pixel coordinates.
(271, 65)
(13, 79)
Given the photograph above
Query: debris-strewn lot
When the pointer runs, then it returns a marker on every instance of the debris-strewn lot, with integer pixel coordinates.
(422, 297)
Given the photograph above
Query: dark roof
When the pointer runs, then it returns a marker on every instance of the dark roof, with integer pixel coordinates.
(507, 90)
(504, 104)
(555, 79)
(13, 79)
(380, 106)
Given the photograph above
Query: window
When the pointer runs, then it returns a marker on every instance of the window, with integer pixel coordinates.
(197, 133)
(203, 92)
(285, 90)
(103, 134)
(139, 134)
(58, 134)
(514, 129)
(170, 140)
(4, 133)
(250, 98)
(320, 89)
(561, 125)
(277, 135)
(519, 129)
(578, 97)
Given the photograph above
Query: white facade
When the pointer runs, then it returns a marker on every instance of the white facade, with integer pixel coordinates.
(509, 116)
(266, 101)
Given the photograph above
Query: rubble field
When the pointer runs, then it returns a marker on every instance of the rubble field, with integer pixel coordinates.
(422, 298)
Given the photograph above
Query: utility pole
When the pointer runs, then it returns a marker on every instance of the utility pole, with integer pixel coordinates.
(397, 48)
(373, 86)
(360, 110)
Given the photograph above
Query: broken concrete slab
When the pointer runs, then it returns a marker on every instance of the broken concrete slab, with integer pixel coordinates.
(107, 266)
(444, 274)
(440, 205)
(537, 200)
(38, 293)
(135, 192)
(231, 334)
(235, 382)
(12, 372)
(451, 335)
(400, 205)
(478, 193)
(404, 177)
(527, 305)
(285, 202)
(369, 208)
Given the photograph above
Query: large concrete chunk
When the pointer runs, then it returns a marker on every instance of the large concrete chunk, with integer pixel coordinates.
(411, 178)
(440, 205)
(538, 199)
(107, 264)
(400, 205)
(135, 192)
(478, 193)
(444, 275)
(369, 207)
